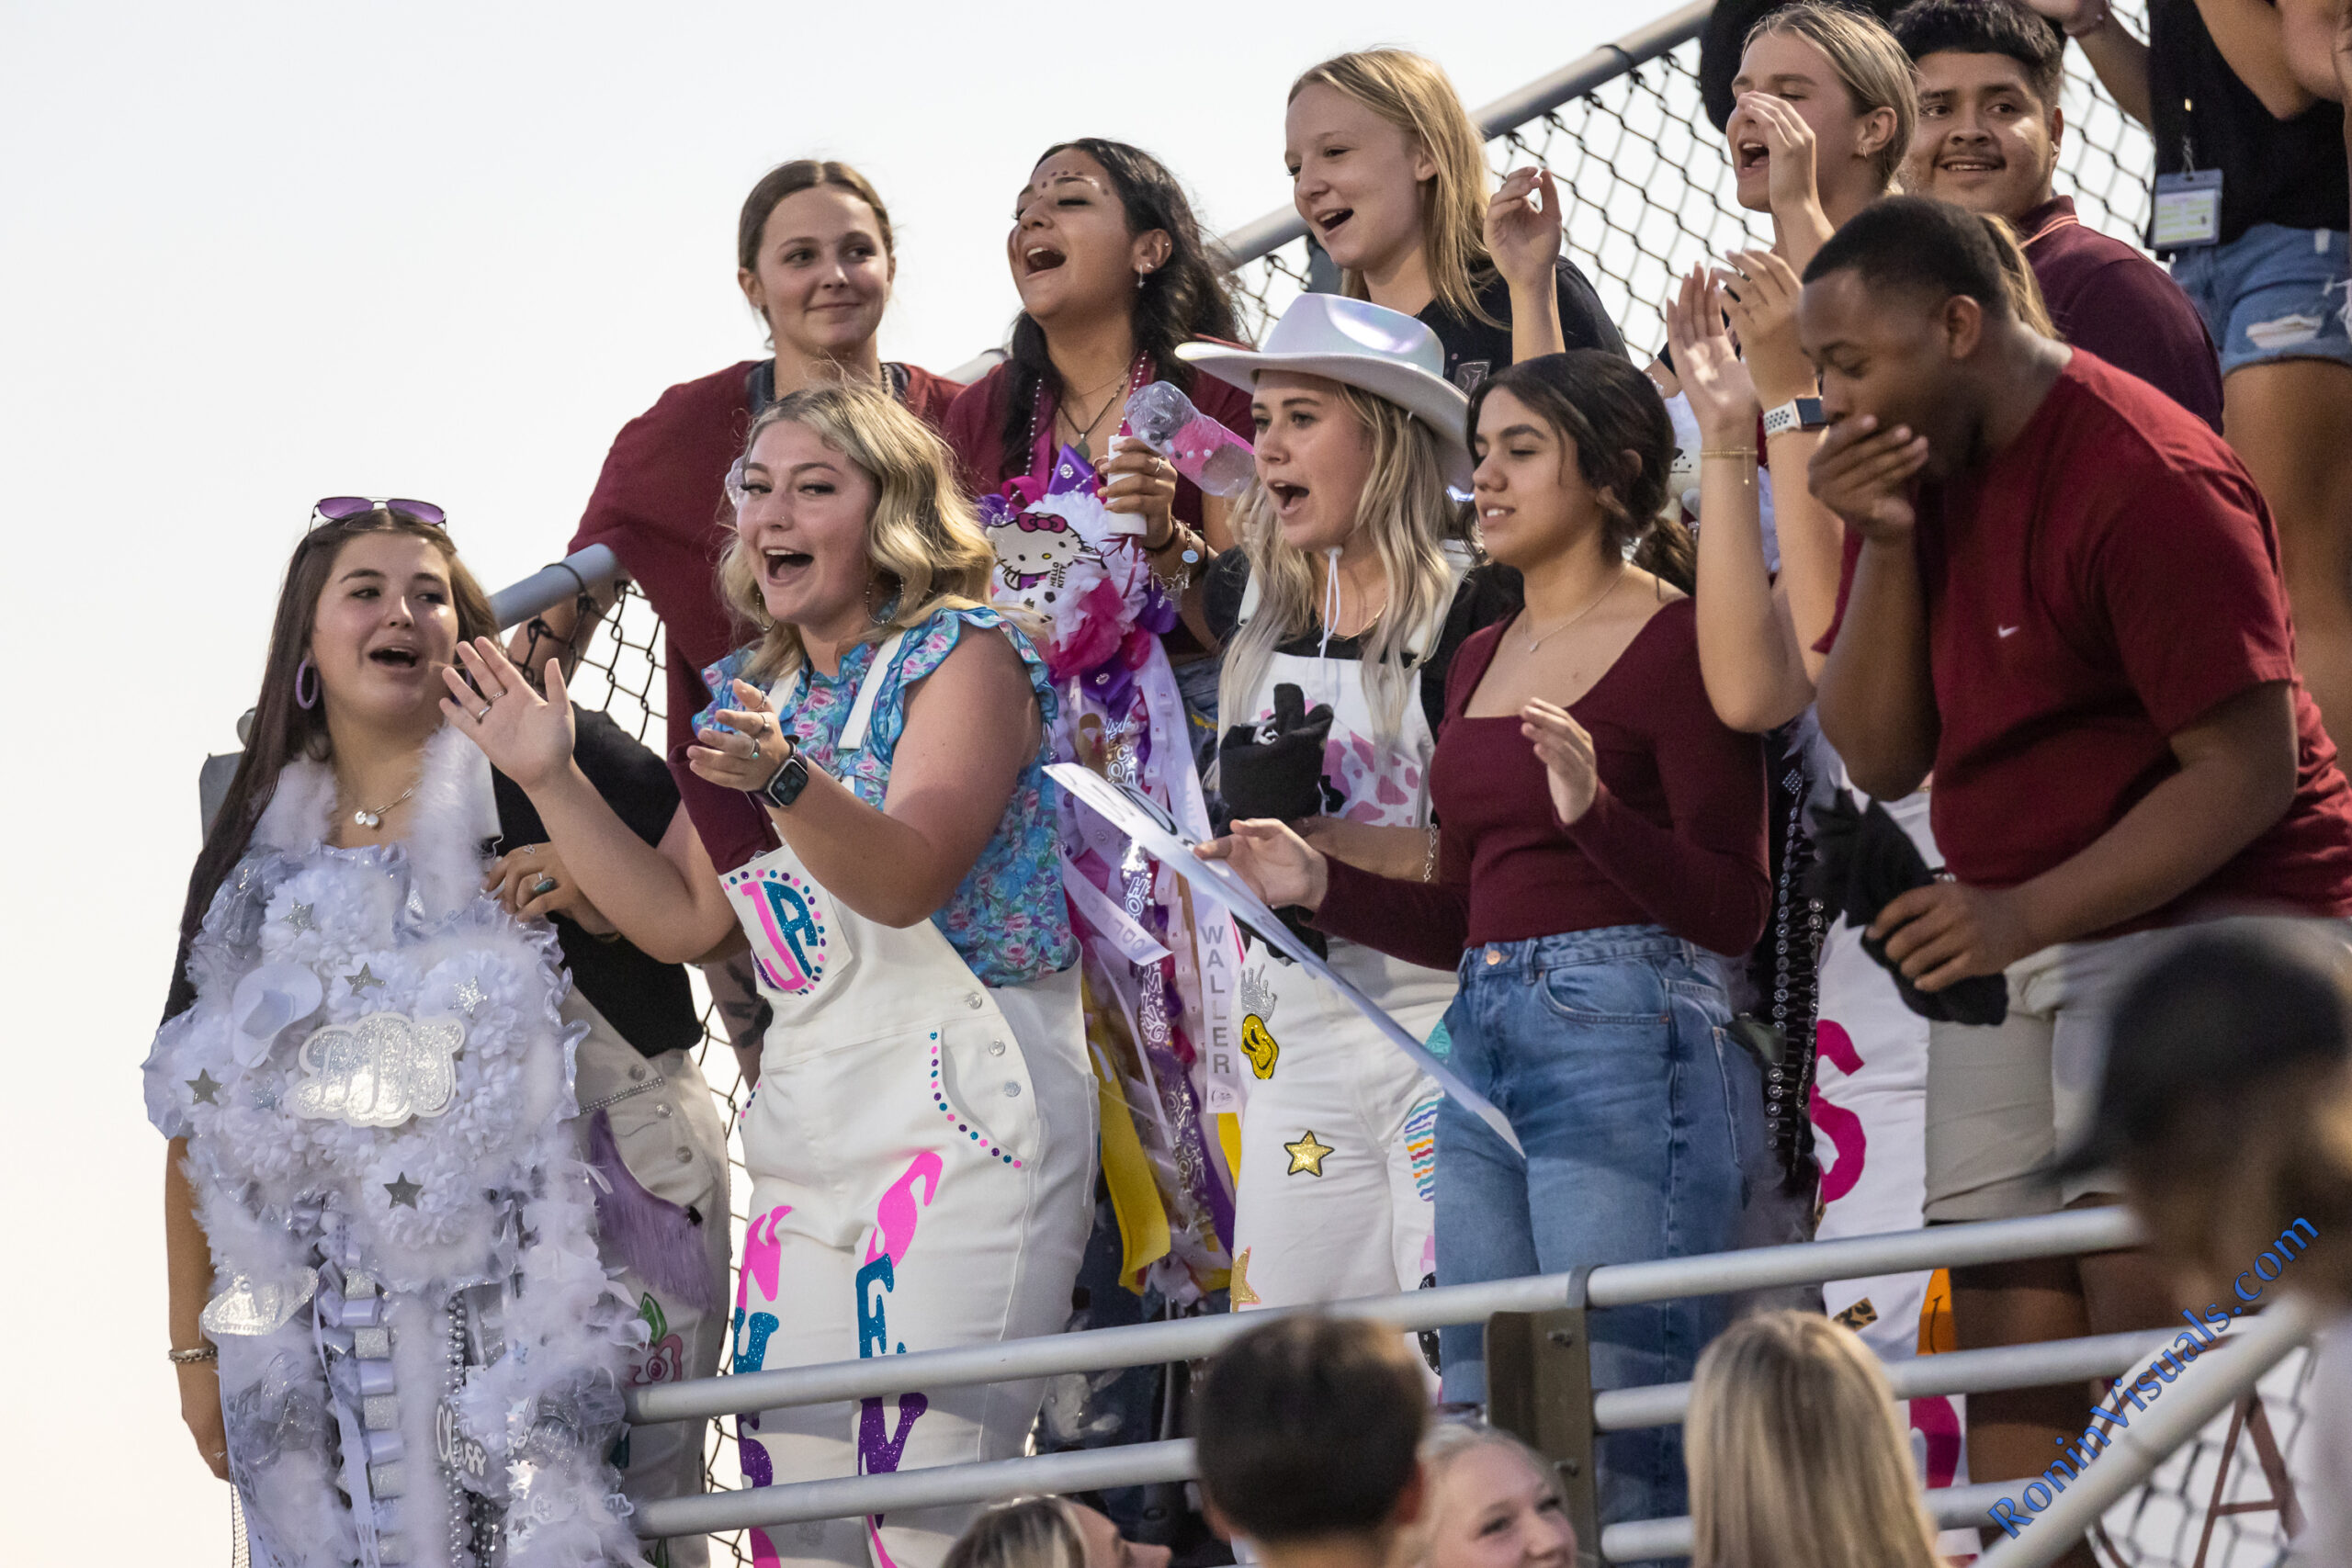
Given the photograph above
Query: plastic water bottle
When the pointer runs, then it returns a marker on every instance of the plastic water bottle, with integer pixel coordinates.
(1163, 418)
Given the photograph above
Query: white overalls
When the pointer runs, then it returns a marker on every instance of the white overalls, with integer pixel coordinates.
(1338, 1145)
(920, 1150)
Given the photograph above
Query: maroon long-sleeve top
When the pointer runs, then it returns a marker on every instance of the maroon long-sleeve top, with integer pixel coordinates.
(1674, 836)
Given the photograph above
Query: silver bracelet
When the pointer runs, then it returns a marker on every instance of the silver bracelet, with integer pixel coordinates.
(189, 1357)
(1429, 860)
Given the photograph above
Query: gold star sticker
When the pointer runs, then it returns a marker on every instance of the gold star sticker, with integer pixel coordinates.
(204, 1087)
(1306, 1155)
(361, 981)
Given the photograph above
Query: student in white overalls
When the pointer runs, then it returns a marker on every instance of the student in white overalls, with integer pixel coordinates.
(1339, 609)
(921, 1140)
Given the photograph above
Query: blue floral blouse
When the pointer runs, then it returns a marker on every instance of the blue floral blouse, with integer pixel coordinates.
(1008, 921)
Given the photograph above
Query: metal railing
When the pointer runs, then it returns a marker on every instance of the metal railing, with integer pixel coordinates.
(1607, 1286)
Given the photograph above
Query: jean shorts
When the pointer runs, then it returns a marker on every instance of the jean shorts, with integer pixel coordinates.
(2273, 293)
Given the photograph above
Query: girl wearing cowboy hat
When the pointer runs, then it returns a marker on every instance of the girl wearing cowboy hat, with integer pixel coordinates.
(1603, 842)
(1349, 589)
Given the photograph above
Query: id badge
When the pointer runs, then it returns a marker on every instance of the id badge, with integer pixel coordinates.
(2188, 211)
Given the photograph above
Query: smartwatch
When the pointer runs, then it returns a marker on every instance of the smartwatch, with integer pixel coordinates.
(1797, 413)
(784, 786)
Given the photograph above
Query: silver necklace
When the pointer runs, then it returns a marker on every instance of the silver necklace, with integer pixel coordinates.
(1535, 642)
(366, 818)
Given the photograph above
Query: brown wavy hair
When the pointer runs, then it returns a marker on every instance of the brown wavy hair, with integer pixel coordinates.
(1624, 441)
(924, 536)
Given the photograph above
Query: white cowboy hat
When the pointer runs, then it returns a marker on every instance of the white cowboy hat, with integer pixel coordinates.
(1357, 342)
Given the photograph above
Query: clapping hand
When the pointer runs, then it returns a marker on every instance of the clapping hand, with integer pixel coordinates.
(1760, 292)
(1722, 397)
(1523, 237)
(1566, 749)
(525, 736)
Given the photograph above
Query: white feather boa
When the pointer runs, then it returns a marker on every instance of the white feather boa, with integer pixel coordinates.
(487, 1202)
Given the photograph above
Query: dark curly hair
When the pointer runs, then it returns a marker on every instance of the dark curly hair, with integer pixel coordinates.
(1624, 442)
(1185, 298)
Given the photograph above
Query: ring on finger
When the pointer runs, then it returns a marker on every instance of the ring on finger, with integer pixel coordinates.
(543, 886)
(483, 717)
(755, 751)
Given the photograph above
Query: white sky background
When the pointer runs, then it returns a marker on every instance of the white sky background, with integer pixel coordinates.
(253, 255)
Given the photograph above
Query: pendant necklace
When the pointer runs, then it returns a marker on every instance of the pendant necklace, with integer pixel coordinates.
(1535, 642)
(366, 818)
(1087, 430)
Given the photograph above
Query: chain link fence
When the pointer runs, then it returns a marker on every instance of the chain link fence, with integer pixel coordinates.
(1650, 192)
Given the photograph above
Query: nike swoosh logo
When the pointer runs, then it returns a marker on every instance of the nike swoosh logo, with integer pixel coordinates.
(2007, 631)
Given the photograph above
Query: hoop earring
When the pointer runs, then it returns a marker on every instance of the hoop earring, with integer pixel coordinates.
(309, 673)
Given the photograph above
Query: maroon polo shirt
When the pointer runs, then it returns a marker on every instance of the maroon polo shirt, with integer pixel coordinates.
(2106, 297)
(2104, 581)
(660, 504)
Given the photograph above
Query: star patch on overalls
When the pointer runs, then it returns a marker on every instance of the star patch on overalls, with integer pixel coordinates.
(1306, 1155)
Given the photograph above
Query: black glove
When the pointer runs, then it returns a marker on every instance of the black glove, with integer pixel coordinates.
(1865, 861)
(1275, 769)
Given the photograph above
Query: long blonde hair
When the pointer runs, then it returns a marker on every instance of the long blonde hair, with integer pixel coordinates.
(922, 535)
(1796, 1458)
(1408, 516)
(1870, 65)
(1413, 94)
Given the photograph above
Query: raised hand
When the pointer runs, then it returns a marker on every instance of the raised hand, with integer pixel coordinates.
(1566, 749)
(1523, 237)
(1863, 474)
(1279, 865)
(1760, 292)
(1722, 397)
(526, 737)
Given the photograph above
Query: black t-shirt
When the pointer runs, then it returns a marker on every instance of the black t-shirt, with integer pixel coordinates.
(647, 1000)
(1474, 351)
(1486, 593)
(2288, 172)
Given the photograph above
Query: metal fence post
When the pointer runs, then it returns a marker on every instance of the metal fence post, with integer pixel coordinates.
(1539, 1388)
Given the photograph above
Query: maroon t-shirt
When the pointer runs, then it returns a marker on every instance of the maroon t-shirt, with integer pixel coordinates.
(2104, 581)
(660, 504)
(1674, 836)
(2105, 296)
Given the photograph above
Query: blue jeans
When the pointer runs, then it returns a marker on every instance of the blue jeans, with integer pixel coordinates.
(1607, 1051)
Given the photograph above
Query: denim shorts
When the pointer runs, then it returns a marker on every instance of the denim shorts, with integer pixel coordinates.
(2273, 293)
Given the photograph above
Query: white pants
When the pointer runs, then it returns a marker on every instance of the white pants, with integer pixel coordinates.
(1338, 1147)
(911, 1194)
(668, 1132)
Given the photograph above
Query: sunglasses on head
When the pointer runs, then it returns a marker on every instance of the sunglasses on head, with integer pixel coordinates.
(343, 508)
